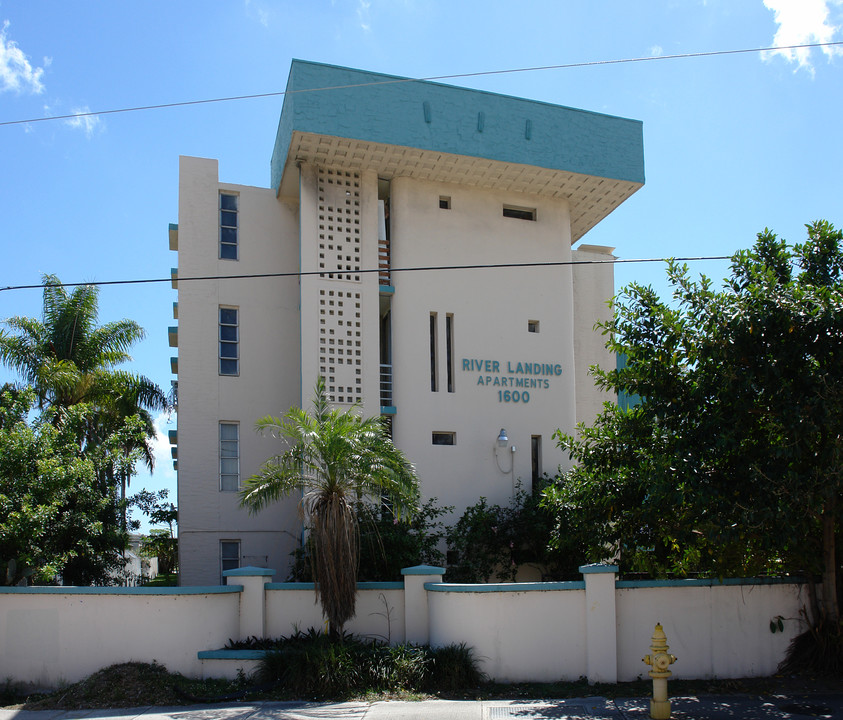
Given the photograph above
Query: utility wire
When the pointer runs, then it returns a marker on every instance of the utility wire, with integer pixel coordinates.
(393, 81)
(310, 273)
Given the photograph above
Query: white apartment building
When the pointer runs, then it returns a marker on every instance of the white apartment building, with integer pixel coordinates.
(414, 248)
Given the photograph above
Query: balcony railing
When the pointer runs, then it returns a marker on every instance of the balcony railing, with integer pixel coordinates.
(386, 385)
(383, 262)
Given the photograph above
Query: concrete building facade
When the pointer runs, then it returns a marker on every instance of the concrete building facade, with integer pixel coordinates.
(414, 249)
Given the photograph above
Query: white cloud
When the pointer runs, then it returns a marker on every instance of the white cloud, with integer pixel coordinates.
(802, 22)
(253, 9)
(16, 72)
(88, 123)
(363, 14)
(656, 51)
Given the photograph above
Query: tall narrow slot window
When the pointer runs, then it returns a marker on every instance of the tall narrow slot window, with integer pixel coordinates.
(229, 457)
(434, 351)
(229, 341)
(536, 459)
(229, 557)
(449, 349)
(228, 226)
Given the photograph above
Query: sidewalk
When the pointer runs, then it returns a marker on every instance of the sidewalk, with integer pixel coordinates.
(703, 707)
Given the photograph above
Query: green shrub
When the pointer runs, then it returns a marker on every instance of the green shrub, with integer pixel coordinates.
(492, 542)
(309, 664)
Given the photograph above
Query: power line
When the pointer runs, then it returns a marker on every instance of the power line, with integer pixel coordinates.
(280, 93)
(311, 273)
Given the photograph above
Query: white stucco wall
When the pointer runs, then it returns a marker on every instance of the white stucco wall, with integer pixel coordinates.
(491, 309)
(516, 636)
(269, 368)
(50, 638)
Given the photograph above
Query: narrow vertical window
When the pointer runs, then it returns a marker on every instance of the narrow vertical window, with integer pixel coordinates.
(434, 351)
(228, 226)
(229, 356)
(229, 557)
(536, 459)
(449, 349)
(229, 457)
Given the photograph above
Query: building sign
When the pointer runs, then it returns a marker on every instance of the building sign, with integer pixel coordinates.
(514, 380)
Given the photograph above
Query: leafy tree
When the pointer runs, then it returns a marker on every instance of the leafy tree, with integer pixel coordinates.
(54, 510)
(731, 462)
(335, 459)
(161, 543)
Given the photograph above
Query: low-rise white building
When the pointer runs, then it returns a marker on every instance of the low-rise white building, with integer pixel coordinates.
(414, 249)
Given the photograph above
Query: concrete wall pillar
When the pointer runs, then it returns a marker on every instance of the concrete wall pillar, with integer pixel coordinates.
(416, 612)
(252, 599)
(600, 623)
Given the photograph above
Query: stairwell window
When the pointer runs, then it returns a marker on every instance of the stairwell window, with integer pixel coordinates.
(229, 342)
(228, 226)
(229, 457)
(229, 557)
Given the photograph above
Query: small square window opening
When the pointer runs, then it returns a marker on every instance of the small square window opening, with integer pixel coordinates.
(444, 202)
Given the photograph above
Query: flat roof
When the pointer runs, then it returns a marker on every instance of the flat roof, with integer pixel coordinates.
(341, 117)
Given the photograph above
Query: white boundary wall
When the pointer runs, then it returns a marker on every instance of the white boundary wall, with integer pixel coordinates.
(597, 628)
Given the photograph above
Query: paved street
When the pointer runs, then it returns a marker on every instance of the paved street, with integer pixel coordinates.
(704, 707)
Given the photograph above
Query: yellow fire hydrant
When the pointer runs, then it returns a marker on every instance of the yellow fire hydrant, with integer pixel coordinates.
(660, 660)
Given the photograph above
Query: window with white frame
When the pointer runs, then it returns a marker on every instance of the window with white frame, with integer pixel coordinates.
(229, 456)
(229, 352)
(229, 557)
(228, 226)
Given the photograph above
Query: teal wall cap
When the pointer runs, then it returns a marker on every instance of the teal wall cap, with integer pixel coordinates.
(505, 587)
(392, 110)
(706, 582)
(598, 568)
(423, 570)
(231, 654)
(360, 586)
(66, 590)
(389, 410)
(386, 289)
(249, 571)
(290, 586)
(173, 227)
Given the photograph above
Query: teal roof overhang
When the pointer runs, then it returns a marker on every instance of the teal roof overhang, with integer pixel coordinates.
(357, 120)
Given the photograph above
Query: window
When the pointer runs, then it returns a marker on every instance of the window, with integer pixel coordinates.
(229, 557)
(229, 341)
(536, 459)
(519, 213)
(444, 438)
(444, 202)
(449, 349)
(434, 351)
(533, 326)
(229, 457)
(228, 226)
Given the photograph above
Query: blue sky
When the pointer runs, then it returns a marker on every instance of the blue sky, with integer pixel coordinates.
(732, 144)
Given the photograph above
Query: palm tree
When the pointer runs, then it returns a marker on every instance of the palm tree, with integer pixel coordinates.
(68, 360)
(334, 459)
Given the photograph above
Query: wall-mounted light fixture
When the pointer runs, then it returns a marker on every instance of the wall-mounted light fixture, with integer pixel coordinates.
(502, 438)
